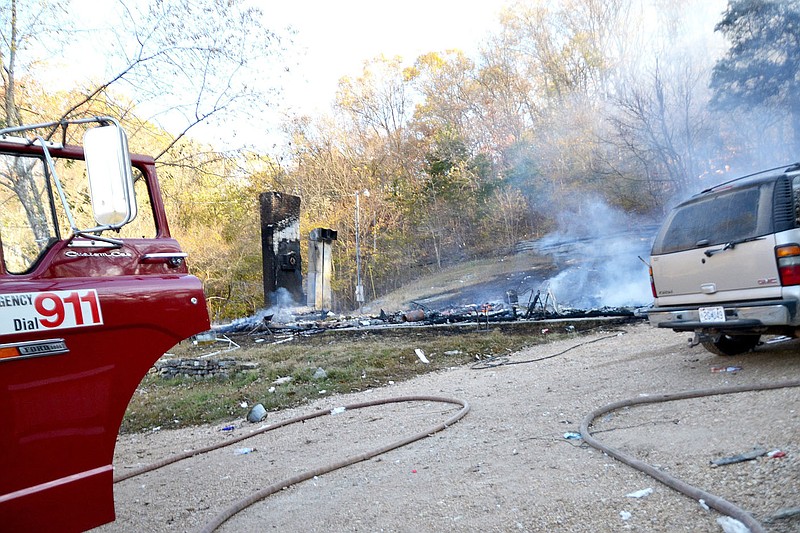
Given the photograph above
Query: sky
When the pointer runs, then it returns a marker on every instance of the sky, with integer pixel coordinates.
(331, 39)
(335, 37)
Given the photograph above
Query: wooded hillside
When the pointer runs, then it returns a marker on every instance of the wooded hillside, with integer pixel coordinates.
(464, 153)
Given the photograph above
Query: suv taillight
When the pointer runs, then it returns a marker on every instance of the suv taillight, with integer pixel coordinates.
(652, 282)
(788, 257)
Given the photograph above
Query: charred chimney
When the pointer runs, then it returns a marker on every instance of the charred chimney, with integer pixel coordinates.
(280, 245)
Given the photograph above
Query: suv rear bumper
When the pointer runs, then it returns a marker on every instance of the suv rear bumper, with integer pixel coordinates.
(738, 316)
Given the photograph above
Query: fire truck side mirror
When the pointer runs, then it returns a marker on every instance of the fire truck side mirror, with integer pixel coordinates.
(110, 176)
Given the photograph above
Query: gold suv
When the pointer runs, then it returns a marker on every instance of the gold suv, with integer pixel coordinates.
(726, 263)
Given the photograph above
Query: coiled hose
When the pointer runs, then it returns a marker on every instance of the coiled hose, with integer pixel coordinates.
(717, 503)
(237, 506)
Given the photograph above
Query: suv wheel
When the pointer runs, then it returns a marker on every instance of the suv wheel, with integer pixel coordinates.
(732, 344)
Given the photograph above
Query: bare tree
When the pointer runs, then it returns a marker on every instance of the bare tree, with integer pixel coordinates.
(178, 64)
(23, 28)
(190, 62)
(661, 126)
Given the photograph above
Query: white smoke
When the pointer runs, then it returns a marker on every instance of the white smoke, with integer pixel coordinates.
(280, 313)
(598, 252)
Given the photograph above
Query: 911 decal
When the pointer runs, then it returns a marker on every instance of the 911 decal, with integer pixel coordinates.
(47, 311)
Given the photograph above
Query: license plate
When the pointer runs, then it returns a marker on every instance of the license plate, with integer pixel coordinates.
(712, 314)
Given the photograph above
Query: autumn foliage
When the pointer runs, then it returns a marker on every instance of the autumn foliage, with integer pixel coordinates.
(463, 155)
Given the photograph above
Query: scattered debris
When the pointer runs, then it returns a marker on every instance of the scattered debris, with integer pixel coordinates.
(783, 514)
(747, 456)
(243, 451)
(206, 337)
(257, 414)
(292, 322)
(571, 435)
(731, 525)
(731, 369)
(282, 341)
(338, 410)
(228, 428)
(778, 340)
(625, 515)
(776, 454)
(282, 381)
(415, 315)
(229, 348)
(640, 493)
(421, 356)
(703, 504)
(320, 373)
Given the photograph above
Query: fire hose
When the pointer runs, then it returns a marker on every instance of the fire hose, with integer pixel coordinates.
(496, 361)
(259, 495)
(713, 501)
(719, 504)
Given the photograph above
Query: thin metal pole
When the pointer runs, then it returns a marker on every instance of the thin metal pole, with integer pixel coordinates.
(359, 297)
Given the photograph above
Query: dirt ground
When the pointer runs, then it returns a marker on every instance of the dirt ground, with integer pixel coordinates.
(506, 466)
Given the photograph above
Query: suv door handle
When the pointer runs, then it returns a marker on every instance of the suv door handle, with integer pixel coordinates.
(708, 288)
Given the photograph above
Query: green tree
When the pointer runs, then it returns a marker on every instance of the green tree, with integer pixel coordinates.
(760, 68)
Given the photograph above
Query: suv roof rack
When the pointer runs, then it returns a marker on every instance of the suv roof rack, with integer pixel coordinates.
(785, 168)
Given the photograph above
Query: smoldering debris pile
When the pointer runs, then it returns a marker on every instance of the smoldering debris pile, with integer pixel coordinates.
(540, 306)
(598, 273)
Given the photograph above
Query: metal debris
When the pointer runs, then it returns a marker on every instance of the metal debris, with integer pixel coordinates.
(747, 456)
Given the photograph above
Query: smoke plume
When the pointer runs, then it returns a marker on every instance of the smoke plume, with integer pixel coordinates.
(598, 250)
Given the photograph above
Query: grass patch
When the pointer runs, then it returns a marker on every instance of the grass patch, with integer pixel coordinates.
(353, 362)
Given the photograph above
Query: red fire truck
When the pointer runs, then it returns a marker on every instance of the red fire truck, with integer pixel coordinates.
(93, 290)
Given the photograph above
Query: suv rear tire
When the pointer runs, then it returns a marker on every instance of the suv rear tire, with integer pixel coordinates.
(732, 344)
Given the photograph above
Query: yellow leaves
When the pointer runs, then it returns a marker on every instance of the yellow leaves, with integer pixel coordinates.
(431, 60)
(410, 73)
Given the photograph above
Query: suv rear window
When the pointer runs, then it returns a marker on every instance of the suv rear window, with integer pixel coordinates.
(717, 219)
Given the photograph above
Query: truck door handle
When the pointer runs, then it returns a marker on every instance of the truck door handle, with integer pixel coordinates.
(173, 259)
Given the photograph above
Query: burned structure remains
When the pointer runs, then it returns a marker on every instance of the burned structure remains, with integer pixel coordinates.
(280, 245)
(320, 267)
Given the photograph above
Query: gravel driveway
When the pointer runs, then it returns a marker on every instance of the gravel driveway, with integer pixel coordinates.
(507, 465)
